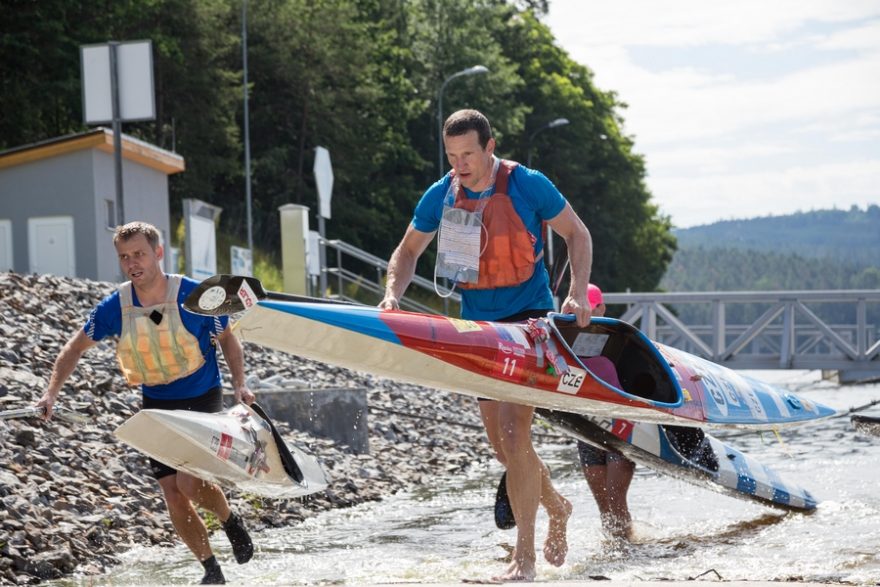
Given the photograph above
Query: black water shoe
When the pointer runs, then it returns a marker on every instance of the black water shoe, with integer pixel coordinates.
(213, 574)
(242, 547)
(503, 512)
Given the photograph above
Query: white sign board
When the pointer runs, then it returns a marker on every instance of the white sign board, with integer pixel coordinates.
(134, 66)
(203, 247)
(240, 261)
(324, 180)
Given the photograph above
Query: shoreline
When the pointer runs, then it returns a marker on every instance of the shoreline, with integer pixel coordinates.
(75, 497)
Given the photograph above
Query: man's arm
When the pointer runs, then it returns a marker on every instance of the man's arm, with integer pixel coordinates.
(234, 355)
(580, 254)
(402, 266)
(65, 363)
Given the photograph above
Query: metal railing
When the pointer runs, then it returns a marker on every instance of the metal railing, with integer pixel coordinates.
(787, 330)
(347, 276)
(789, 333)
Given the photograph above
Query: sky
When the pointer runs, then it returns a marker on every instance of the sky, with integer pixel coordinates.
(741, 109)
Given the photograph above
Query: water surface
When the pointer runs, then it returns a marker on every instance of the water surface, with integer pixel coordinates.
(445, 531)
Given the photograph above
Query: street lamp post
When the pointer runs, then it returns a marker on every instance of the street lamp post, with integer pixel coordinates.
(551, 124)
(469, 71)
(549, 236)
(247, 135)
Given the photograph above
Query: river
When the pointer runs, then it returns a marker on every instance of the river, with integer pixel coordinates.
(445, 531)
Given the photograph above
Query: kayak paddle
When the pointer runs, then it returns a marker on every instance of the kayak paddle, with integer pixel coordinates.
(224, 294)
(37, 412)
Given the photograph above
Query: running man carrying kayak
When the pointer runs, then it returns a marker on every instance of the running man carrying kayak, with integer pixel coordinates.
(172, 354)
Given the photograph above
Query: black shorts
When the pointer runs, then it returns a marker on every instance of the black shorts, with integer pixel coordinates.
(520, 317)
(209, 402)
(590, 455)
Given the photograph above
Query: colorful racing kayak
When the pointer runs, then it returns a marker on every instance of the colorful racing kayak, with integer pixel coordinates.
(548, 362)
(688, 454)
(238, 447)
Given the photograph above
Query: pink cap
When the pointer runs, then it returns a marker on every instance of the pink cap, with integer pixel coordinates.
(594, 295)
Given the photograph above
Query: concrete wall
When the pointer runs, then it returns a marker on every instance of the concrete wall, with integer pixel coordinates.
(335, 413)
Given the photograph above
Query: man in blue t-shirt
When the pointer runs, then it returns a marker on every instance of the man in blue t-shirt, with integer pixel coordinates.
(489, 214)
(171, 353)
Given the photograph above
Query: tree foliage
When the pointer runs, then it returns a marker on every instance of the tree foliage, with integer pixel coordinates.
(359, 77)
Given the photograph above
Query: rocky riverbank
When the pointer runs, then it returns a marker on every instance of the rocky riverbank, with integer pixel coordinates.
(74, 497)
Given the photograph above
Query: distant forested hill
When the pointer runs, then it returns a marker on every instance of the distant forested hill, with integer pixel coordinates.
(853, 235)
(825, 249)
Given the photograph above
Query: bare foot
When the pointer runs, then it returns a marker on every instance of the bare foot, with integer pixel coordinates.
(556, 545)
(521, 571)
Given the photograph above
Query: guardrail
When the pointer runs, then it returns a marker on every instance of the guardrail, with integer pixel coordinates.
(347, 270)
(789, 333)
(789, 330)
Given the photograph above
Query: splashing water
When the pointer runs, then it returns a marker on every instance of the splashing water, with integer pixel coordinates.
(446, 532)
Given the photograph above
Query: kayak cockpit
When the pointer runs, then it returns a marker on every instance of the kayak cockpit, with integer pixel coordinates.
(621, 356)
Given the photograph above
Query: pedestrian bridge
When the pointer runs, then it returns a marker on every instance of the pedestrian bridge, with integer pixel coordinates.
(829, 330)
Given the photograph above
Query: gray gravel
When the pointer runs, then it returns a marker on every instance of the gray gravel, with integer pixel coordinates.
(74, 497)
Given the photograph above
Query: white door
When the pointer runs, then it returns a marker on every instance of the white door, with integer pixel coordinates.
(50, 245)
(5, 245)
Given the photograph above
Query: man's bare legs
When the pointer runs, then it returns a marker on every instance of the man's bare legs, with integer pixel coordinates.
(551, 499)
(508, 426)
(181, 491)
(610, 484)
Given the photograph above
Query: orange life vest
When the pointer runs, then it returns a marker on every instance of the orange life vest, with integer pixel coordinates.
(508, 251)
(153, 353)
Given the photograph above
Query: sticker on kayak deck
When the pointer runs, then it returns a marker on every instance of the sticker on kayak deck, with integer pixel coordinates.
(730, 393)
(753, 402)
(512, 333)
(571, 381)
(212, 298)
(588, 344)
(222, 446)
(465, 325)
(509, 361)
(713, 388)
(622, 429)
(246, 295)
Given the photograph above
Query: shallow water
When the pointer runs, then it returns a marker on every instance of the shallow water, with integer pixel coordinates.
(446, 532)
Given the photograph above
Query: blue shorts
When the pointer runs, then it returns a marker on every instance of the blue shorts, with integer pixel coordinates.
(590, 455)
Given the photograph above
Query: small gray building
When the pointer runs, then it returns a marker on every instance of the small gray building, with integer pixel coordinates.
(58, 202)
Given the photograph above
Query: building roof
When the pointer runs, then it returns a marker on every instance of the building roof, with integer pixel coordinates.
(100, 138)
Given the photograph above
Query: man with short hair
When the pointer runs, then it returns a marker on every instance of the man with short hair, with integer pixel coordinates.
(490, 214)
(171, 353)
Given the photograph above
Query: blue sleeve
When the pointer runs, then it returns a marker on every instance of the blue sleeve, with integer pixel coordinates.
(105, 319)
(547, 200)
(429, 210)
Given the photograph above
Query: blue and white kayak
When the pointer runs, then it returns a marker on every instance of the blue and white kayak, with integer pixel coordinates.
(688, 454)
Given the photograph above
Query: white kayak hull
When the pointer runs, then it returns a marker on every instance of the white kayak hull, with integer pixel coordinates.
(235, 448)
